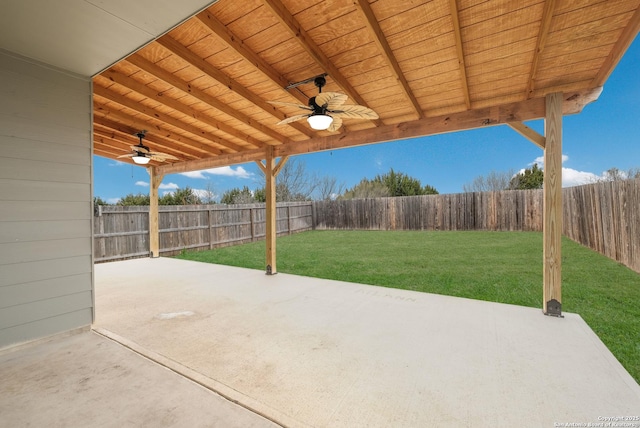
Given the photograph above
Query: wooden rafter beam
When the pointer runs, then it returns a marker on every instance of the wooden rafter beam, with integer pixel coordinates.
(381, 41)
(455, 19)
(187, 88)
(168, 139)
(126, 133)
(621, 46)
(543, 32)
(182, 52)
(293, 26)
(170, 120)
(124, 141)
(142, 89)
(234, 42)
(534, 108)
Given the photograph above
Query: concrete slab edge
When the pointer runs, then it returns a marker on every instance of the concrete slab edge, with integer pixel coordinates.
(219, 388)
(624, 375)
(14, 347)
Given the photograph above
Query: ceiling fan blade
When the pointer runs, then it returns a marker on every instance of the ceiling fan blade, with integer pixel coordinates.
(331, 100)
(335, 125)
(161, 156)
(293, 119)
(354, 112)
(130, 155)
(140, 149)
(282, 103)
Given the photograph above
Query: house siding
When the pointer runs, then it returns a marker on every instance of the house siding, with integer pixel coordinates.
(46, 266)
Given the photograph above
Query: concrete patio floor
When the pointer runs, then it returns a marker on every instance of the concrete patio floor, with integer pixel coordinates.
(86, 380)
(312, 352)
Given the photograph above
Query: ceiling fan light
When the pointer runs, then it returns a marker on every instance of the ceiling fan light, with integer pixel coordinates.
(320, 122)
(140, 159)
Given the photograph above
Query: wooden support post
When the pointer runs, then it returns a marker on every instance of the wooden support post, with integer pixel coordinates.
(271, 169)
(271, 231)
(154, 230)
(552, 223)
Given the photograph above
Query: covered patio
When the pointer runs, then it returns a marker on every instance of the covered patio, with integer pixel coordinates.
(312, 352)
(82, 77)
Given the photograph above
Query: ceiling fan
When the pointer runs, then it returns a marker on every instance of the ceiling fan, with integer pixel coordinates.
(327, 109)
(142, 155)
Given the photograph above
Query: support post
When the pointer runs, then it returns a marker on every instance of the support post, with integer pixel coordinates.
(271, 231)
(154, 230)
(552, 223)
(271, 169)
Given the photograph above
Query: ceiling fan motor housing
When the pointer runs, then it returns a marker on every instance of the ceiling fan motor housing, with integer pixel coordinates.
(316, 108)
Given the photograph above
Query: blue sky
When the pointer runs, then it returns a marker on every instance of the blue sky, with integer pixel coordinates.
(605, 135)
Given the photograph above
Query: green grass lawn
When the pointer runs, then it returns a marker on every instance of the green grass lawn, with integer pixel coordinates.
(501, 267)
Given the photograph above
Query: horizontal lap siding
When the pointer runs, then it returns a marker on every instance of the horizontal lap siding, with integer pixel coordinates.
(45, 201)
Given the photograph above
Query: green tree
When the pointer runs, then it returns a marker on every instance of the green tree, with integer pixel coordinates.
(131, 200)
(366, 189)
(389, 184)
(237, 196)
(400, 184)
(530, 178)
(184, 196)
(97, 200)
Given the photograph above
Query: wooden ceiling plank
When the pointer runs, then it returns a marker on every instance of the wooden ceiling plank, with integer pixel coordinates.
(533, 108)
(623, 43)
(296, 30)
(199, 63)
(177, 105)
(460, 51)
(543, 33)
(224, 34)
(155, 114)
(141, 124)
(383, 45)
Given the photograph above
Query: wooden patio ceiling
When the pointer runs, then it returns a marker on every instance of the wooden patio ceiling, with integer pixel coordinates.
(425, 66)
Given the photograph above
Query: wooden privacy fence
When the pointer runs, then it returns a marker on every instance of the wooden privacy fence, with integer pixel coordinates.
(507, 210)
(123, 232)
(606, 218)
(602, 216)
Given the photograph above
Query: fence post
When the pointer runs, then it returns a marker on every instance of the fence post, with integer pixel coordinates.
(289, 218)
(210, 218)
(253, 233)
(313, 215)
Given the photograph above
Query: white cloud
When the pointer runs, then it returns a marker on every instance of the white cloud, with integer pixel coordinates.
(113, 200)
(205, 194)
(117, 163)
(225, 171)
(170, 186)
(540, 160)
(570, 177)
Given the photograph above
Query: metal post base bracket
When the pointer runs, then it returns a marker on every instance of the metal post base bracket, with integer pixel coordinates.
(554, 308)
